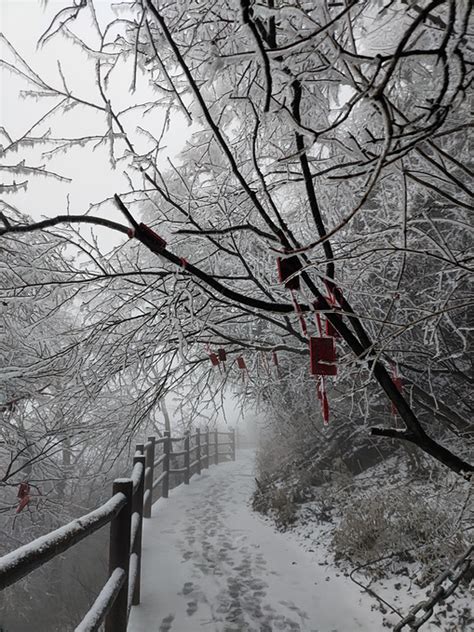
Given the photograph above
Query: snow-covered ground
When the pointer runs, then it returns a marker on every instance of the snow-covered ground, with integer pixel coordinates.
(210, 564)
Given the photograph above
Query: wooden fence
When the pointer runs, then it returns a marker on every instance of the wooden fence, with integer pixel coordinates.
(157, 467)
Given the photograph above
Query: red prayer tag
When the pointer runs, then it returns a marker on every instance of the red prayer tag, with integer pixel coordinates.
(222, 355)
(23, 490)
(23, 502)
(241, 363)
(214, 359)
(286, 267)
(23, 495)
(322, 354)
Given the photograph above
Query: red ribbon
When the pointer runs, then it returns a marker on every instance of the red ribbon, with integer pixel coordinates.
(23, 495)
(298, 311)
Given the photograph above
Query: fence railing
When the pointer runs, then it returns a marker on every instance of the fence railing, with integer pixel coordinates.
(131, 501)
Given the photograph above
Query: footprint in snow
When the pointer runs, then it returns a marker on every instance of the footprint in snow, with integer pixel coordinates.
(191, 608)
(188, 588)
(166, 623)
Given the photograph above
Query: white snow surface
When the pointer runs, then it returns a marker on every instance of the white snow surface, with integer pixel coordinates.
(210, 564)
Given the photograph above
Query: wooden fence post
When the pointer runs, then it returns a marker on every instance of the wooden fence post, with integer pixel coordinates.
(149, 476)
(186, 458)
(137, 508)
(119, 556)
(166, 464)
(198, 449)
(216, 447)
(206, 461)
(232, 439)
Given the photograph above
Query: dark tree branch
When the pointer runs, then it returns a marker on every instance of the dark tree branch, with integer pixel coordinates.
(62, 219)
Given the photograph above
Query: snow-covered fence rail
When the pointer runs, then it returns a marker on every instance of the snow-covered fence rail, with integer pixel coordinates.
(130, 502)
(173, 467)
(124, 513)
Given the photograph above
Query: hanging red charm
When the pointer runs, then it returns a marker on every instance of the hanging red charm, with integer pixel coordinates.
(222, 355)
(318, 389)
(325, 406)
(214, 359)
(23, 495)
(296, 305)
(287, 266)
(241, 363)
(322, 354)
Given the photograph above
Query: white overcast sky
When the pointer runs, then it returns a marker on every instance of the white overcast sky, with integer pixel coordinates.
(93, 178)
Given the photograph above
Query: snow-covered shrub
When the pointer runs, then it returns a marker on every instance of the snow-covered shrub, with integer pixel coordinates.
(278, 502)
(405, 523)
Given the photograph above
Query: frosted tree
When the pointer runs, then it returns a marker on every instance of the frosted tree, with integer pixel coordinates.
(334, 135)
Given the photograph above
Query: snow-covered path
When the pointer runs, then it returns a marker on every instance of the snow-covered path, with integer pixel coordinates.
(211, 565)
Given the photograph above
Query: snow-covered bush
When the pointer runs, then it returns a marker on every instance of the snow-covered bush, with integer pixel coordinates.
(408, 524)
(279, 503)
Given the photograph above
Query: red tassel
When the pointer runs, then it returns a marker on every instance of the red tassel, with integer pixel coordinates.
(214, 359)
(287, 267)
(318, 390)
(158, 241)
(23, 495)
(325, 409)
(322, 354)
(222, 355)
(23, 490)
(298, 311)
(23, 502)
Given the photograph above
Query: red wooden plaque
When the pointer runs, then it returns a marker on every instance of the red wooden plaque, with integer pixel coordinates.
(322, 354)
